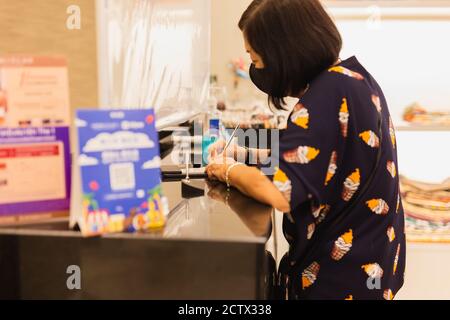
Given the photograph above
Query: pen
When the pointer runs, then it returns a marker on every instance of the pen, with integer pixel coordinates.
(231, 138)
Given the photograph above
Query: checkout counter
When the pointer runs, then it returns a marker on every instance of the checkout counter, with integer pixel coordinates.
(213, 247)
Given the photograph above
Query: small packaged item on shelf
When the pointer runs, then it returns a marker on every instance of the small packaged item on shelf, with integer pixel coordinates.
(418, 115)
(209, 137)
(427, 210)
(258, 117)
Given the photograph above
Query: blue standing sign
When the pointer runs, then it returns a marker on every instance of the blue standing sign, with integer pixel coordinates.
(119, 163)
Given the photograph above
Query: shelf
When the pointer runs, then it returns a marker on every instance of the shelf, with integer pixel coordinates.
(421, 128)
(386, 3)
(435, 244)
(389, 10)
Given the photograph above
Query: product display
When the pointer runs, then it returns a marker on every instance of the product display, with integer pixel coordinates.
(427, 210)
(418, 115)
(257, 118)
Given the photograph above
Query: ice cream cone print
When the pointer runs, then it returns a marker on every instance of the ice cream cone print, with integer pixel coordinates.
(392, 133)
(332, 167)
(398, 202)
(373, 270)
(378, 206)
(342, 245)
(397, 254)
(351, 185)
(311, 229)
(349, 298)
(302, 155)
(300, 116)
(388, 295)
(390, 166)
(309, 275)
(344, 117)
(320, 213)
(391, 234)
(347, 72)
(316, 210)
(282, 182)
(376, 102)
(370, 138)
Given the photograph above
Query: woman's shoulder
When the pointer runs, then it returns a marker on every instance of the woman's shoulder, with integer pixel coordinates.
(339, 81)
(342, 74)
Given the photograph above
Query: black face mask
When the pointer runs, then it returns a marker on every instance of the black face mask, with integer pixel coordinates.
(263, 80)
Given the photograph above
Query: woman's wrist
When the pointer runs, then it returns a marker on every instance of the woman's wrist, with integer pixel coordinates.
(228, 172)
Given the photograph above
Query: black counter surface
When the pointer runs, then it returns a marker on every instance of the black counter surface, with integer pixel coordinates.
(213, 247)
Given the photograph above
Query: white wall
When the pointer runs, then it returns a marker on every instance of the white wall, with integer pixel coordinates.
(424, 155)
(227, 44)
(410, 60)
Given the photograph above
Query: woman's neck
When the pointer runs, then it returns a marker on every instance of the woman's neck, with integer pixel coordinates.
(338, 61)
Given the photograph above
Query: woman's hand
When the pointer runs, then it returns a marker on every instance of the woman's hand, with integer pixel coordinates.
(233, 151)
(217, 147)
(218, 167)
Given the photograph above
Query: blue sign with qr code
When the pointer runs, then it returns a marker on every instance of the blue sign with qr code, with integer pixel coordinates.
(119, 161)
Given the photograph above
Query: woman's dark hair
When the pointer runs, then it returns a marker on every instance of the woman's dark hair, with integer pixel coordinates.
(296, 39)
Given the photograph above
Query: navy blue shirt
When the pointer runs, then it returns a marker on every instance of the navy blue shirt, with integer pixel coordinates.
(327, 154)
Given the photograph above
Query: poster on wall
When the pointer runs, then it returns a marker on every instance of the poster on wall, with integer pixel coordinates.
(34, 173)
(34, 91)
(34, 138)
(116, 173)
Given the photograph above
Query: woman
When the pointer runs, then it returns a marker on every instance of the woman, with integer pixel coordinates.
(337, 179)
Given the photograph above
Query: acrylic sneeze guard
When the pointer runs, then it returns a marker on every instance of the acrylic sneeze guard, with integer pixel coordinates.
(154, 54)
